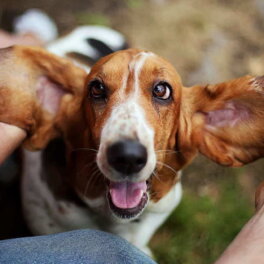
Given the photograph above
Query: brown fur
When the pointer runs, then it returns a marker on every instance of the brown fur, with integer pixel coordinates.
(227, 145)
(20, 69)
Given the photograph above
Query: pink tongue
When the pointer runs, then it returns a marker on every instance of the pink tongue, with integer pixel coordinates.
(127, 194)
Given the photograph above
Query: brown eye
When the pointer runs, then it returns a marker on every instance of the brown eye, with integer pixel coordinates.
(162, 91)
(97, 90)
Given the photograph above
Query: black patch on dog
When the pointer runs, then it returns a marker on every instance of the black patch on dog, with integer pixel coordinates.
(100, 46)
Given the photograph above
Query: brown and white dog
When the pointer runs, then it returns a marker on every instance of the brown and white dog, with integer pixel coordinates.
(111, 144)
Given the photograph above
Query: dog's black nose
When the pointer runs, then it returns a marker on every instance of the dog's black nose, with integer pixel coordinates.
(127, 156)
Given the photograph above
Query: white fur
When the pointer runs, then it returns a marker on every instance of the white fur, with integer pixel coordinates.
(127, 121)
(37, 22)
(76, 41)
(136, 65)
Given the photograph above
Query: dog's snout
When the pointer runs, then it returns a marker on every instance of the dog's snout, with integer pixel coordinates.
(127, 156)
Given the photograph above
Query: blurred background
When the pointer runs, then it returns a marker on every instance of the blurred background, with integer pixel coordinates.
(207, 41)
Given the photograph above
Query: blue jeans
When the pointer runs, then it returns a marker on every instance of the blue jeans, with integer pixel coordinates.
(78, 247)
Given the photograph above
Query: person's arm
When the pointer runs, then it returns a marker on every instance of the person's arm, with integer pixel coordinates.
(248, 246)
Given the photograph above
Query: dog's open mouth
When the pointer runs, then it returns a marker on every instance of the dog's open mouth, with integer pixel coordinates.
(127, 199)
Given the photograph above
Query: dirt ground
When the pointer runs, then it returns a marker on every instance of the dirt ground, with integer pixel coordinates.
(208, 41)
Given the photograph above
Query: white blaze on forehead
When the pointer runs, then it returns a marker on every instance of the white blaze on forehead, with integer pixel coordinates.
(128, 120)
(136, 65)
(134, 68)
(124, 84)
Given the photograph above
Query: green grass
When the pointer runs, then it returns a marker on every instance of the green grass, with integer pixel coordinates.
(201, 227)
(86, 18)
(132, 4)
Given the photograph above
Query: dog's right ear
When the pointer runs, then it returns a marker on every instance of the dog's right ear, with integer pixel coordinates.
(38, 92)
(224, 121)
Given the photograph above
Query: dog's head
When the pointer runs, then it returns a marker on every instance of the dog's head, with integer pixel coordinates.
(130, 125)
(130, 97)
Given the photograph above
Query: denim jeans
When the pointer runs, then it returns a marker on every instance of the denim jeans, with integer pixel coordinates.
(78, 247)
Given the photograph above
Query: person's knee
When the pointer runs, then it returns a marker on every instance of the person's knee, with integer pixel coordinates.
(89, 246)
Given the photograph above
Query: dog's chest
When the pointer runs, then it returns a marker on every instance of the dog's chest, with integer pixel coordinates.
(44, 212)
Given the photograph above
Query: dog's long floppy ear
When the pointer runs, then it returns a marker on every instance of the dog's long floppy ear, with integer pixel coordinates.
(38, 92)
(225, 122)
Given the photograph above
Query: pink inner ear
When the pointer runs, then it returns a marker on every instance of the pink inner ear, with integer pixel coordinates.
(231, 115)
(49, 94)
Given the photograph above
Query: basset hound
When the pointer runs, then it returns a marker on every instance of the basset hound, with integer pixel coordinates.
(109, 145)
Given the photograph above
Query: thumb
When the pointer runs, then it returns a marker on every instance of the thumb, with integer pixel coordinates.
(10, 139)
(259, 196)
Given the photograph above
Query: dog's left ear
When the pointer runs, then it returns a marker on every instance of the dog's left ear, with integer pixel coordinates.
(225, 122)
(38, 92)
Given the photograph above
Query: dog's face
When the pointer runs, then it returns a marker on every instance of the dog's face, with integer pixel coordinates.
(127, 114)
(129, 126)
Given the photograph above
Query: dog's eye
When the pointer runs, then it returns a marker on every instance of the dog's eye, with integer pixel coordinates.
(97, 90)
(162, 91)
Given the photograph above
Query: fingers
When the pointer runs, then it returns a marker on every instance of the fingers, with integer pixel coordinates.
(7, 40)
(10, 138)
(259, 196)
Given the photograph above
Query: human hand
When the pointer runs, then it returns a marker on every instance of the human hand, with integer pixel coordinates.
(248, 246)
(10, 138)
